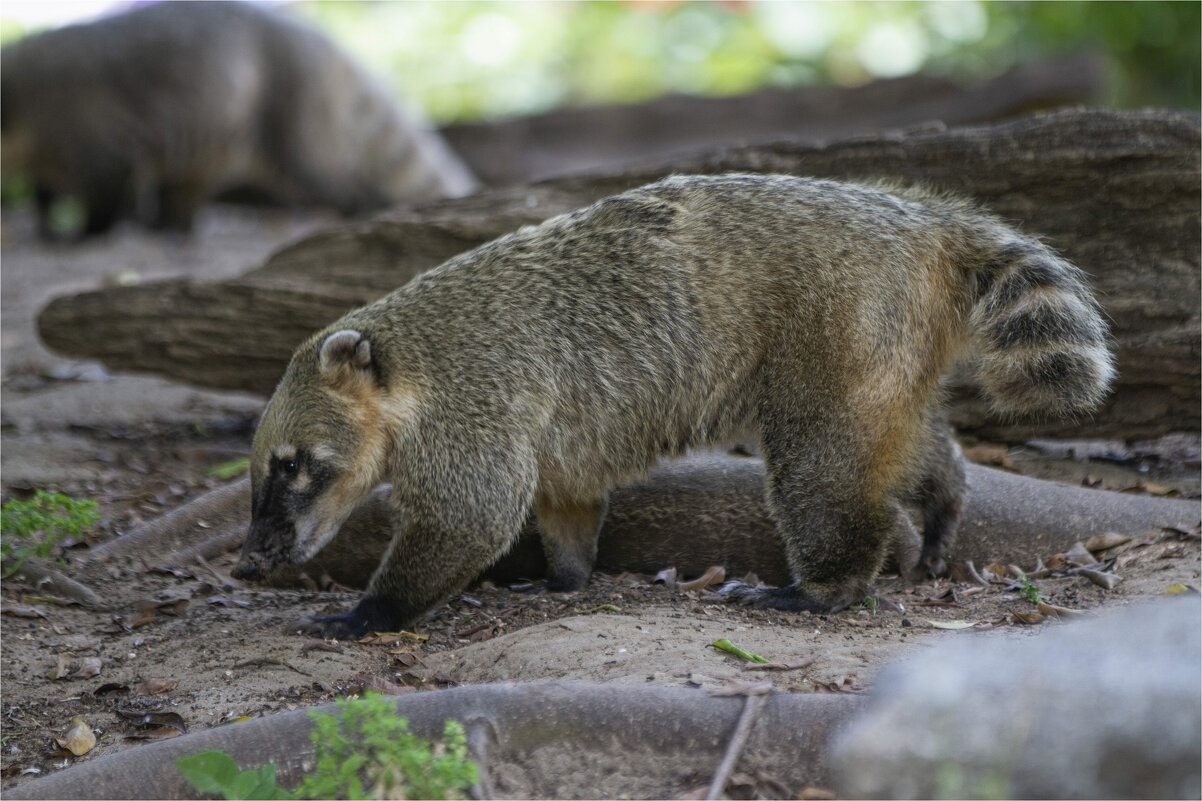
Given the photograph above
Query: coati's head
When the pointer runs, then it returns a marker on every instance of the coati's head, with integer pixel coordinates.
(321, 447)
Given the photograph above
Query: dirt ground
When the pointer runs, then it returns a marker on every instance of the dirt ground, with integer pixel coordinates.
(202, 650)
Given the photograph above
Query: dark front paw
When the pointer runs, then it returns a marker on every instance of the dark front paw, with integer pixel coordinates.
(790, 599)
(370, 615)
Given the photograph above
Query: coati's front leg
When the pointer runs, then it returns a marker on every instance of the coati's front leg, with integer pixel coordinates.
(425, 563)
(569, 534)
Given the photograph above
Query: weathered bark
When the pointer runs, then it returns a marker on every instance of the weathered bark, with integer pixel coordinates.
(574, 141)
(1116, 192)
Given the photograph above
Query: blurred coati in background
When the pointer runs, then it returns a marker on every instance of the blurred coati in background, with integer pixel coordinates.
(150, 113)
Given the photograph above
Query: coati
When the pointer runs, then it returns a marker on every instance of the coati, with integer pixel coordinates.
(538, 370)
(149, 113)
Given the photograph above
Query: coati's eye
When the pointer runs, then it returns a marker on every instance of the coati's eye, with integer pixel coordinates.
(289, 466)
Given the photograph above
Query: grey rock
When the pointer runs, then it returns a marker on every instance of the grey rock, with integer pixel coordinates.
(1104, 708)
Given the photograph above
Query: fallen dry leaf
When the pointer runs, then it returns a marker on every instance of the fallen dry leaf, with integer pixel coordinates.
(62, 668)
(812, 793)
(1109, 539)
(953, 625)
(89, 667)
(715, 574)
(1028, 618)
(666, 576)
(1080, 555)
(79, 738)
(391, 638)
(1104, 580)
(1184, 533)
(1052, 610)
(406, 658)
(155, 686)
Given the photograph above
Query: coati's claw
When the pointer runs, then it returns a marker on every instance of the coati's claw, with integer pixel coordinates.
(368, 616)
(789, 599)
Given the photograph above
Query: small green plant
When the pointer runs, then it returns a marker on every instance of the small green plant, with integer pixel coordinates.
(1029, 592)
(369, 741)
(365, 752)
(216, 772)
(36, 527)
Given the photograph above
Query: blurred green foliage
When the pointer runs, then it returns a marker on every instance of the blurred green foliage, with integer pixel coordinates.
(473, 60)
(485, 59)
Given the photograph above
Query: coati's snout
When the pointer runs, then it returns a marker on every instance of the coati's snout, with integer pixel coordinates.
(251, 567)
(269, 544)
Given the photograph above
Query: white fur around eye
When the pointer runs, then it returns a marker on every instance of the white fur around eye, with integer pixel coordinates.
(324, 453)
(284, 452)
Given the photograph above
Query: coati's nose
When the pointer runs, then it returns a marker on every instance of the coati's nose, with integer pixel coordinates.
(249, 567)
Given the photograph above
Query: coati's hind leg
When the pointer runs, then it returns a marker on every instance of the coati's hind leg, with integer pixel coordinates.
(569, 533)
(939, 498)
(835, 529)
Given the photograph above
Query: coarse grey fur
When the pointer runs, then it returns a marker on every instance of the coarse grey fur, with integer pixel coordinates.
(151, 112)
(539, 370)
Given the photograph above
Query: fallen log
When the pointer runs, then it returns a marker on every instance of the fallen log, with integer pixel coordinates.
(1116, 192)
(690, 514)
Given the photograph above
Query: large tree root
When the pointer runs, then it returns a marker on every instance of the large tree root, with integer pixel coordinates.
(522, 736)
(689, 514)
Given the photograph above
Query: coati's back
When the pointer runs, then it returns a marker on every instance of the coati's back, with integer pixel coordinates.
(643, 325)
(176, 102)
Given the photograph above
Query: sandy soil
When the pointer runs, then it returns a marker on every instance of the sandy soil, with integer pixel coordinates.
(188, 640)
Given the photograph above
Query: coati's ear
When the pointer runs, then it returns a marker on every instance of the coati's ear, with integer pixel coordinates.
(345, 359)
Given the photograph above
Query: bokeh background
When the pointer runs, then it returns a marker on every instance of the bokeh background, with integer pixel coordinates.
(472, 61)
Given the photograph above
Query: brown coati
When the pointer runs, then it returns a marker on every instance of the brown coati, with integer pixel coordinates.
(151, 112)
(539, 370)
